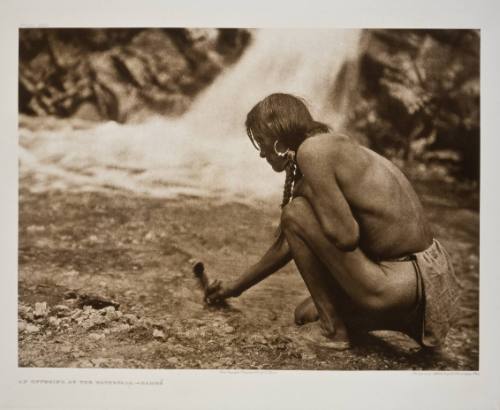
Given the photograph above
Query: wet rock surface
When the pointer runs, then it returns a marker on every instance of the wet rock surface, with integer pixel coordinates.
(120, 74)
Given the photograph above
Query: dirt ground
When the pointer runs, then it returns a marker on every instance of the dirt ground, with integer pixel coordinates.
(135, 252)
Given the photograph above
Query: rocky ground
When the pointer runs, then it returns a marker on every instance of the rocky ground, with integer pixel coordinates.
(105, 280)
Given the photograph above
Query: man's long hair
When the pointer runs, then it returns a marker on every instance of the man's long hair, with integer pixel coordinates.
(285, 118)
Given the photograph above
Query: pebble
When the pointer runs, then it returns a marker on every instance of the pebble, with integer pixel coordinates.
(173, 360)
(32, 328)
(61, 310)
(71, 273)
(258, 339)
(41, 310)
(25, 312)
(102, 362)
(91, 321)
(21, 326)
(54, 321)
(111, 313)
(70, 294)
(179, 349)
(82, 363)
(228, 329)
(96, 336)
(130, 318)
(192, 333)
(76, 313)
(158, 334)
(66, 348)
(197, 322)
(121, 327)
(108, 309)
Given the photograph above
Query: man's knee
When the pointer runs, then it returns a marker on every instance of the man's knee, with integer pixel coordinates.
(292, 215)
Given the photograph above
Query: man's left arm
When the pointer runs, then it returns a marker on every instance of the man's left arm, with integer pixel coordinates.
(322, 190)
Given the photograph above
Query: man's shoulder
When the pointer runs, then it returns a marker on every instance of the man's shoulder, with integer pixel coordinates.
(333, 147)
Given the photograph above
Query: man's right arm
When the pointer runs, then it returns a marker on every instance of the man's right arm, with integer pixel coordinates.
(277, 256)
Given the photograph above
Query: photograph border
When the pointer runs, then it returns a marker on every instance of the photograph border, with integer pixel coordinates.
(120, 388)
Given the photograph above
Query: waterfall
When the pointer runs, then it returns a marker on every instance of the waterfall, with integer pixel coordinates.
(205, 152)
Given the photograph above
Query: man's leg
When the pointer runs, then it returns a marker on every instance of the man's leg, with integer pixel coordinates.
(362, 280)
(320, 285)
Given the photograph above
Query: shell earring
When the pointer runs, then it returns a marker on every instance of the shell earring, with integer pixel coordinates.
(280, 154)
(288, 153)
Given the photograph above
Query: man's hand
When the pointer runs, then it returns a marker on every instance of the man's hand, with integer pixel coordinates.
(219, 291)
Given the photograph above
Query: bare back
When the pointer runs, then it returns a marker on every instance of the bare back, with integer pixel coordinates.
(382, 201)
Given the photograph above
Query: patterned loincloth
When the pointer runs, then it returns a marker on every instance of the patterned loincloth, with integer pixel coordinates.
(440, 289)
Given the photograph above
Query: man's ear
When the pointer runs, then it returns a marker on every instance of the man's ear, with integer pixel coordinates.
(281, 147)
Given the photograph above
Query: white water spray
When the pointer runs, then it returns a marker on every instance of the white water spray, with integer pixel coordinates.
(205, 152)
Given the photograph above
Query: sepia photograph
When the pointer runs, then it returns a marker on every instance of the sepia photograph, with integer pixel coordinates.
(281, 205)
(243, 198)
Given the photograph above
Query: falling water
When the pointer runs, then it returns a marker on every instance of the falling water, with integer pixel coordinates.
(206, 151)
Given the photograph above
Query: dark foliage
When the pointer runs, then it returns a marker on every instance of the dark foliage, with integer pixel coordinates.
(418, 97)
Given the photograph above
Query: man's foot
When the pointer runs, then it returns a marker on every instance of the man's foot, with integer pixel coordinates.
(306, 312)
(315, 334)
